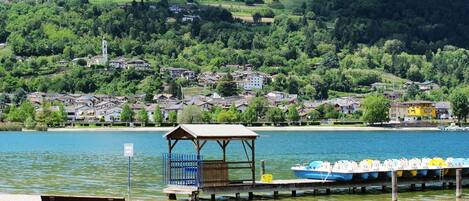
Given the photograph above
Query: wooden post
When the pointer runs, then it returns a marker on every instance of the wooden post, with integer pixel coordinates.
(275, 194)
(237, 195)
(458, 183)
(253, 158)
(262, 167)
(412, 187)
(293, 193)
(394, 186)
(212, 197)
(250, 195)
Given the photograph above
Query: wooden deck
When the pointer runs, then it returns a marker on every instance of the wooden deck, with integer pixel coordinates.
(293, 185)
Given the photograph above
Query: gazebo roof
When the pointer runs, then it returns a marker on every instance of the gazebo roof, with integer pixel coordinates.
(205, 131)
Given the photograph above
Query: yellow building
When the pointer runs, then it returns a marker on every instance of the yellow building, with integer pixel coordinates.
(421, 109)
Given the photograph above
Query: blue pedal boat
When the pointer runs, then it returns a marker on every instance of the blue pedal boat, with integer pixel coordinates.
(313, 171)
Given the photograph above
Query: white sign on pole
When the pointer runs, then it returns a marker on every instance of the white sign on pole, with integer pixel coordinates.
(128, 150)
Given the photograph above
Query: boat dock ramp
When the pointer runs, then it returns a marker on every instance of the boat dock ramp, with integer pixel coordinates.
(191, 175)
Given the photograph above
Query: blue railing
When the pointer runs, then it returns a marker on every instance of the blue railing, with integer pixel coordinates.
(182, 169)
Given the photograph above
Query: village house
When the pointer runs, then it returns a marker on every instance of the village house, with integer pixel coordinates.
(176, 9)
(397, 112)
(62, 63)
(208, 79)
(346, 105)
(138, 64)
(176, 73)
(380, 86)
(276, 97)
(88, 100)
(253, 81)
(443, 110)
(105, 105)
(123, 63)
(71, 113)
(118, 63)
(190, 18)
(417, 110)
(393, 95)
(171, 107)
(423, 86)
(162, 98)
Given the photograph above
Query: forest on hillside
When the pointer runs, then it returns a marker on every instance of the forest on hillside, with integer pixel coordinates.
(314, 49)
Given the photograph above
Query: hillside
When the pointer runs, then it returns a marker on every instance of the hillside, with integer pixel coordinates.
(309, 48)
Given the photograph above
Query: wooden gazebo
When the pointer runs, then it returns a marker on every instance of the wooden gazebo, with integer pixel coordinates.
(193, 170)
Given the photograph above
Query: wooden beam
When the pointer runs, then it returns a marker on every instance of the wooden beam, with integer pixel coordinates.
(203, 144)
(253, 158)
(220, 144)
(226, 142)
(247, 142)
(173, 144)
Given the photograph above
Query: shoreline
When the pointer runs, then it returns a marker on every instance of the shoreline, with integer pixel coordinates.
(266, 128)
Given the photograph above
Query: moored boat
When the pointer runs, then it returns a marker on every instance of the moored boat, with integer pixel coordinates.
(320, 170)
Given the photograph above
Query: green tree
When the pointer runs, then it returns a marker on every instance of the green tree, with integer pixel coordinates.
(314, 115)
(275, 115)
(142, 116)
(260, 105)
(460, 105)
(249, 116)
(172, 117)
(190, 114)
(22, 112)
(328, 111)
(62, 114)
(293, 114)
(228, 116)
(412, 91)
(158, 116)
(206, 117)
(127, 114)
(227, 87)
(375, 109)
(257, 17)
(29, 123)
(148, 97)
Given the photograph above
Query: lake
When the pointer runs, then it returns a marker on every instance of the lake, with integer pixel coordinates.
(92, 163)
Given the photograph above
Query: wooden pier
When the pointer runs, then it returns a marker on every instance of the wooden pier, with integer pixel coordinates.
(292, 186)
(192, 176)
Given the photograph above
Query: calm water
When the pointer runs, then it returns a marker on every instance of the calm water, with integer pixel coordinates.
(91, 163)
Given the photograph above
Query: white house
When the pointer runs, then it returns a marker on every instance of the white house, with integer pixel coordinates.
(253, 81)
(137, 64)
(113, 115)
(346, 105)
